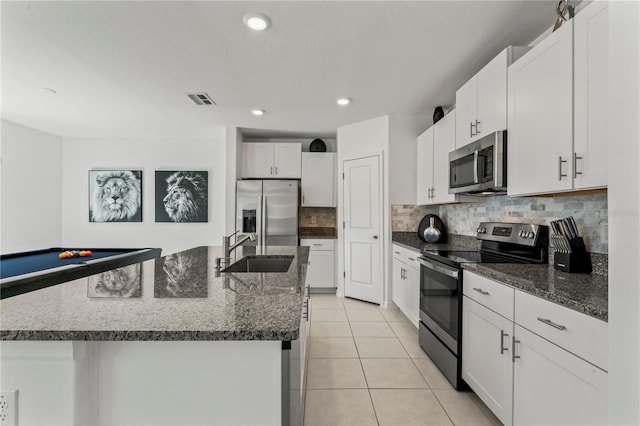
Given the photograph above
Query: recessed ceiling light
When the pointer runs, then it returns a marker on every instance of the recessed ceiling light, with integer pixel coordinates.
(256, 21)
(343, 101)
(257, 112)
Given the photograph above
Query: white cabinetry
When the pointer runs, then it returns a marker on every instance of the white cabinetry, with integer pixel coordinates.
(433, 150)
(405, 285)
(481, 104)
(591, 91)
(531, 361)
(272, 160)
(321, 267)
(318, 179)
(541, 116)
(486, 363)
(558, 97)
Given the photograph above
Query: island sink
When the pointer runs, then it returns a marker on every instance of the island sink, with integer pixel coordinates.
(264, 263)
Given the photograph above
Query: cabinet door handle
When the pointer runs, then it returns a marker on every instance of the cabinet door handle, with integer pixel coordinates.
(276, 171)
(471, 129)
(481, 291)
(316, 244)
(396, 252)
(560, 161)
(433, 193)
(302, 198)
(575, 165)
(502, 336)
(271, 172)
(552, 324)
(513, 349)
(477, 127)
(411, 258)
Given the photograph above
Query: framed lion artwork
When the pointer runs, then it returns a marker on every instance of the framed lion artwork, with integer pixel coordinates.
(115, 196)
(182, 196)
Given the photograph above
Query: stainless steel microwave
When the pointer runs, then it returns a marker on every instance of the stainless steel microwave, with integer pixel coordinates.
(480, 168)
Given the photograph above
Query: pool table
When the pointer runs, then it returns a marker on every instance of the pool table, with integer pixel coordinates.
(33, 270)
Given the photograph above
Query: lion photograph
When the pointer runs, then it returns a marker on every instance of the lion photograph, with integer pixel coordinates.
(182, 196)
(120, 282)
(115, 196)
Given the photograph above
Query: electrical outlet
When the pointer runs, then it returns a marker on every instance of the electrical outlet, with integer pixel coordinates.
(604, 233)
(313, 219)
(9, 408)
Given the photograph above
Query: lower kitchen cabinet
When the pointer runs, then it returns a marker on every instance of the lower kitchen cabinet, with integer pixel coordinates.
(321, 267)
(554, 387)
(405, 283)
(529, 378)
(486, 363)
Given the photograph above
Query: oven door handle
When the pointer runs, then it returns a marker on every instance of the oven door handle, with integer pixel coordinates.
(445, 270)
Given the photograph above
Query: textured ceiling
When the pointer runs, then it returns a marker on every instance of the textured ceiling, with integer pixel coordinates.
(120, 69)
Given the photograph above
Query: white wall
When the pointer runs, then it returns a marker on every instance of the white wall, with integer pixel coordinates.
(81, 155)
(30, 188)
(624, 213)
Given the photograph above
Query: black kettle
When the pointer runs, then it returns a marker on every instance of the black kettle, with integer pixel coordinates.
(432, 230)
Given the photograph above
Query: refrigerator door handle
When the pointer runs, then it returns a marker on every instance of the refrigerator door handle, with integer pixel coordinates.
(264, 220)
(259, 221)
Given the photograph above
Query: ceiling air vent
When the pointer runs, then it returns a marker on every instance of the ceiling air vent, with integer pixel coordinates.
(202, 99)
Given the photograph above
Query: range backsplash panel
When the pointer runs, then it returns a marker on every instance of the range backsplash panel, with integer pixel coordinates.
(590, 212)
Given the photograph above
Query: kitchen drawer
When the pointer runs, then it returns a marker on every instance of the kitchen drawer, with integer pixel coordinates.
(578, 333)
(409, 257)
(494, 295)
(318, 244)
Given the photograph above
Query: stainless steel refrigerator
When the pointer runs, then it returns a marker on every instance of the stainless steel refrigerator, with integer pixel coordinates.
(269, 208)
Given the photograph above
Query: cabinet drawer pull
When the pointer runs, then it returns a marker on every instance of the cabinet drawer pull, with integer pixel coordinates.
(411, 258)
(552, 324)
(481, 291)
(316, 244)
(502, 336)
(575, 165)
(396, 252)
(513, 347)
(560, 174)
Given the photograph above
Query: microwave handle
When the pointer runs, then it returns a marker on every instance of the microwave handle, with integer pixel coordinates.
(475, 167)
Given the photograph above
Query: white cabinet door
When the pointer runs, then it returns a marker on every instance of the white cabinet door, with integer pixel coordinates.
(553, 387)
(486, 364)
(425, 167)
(466, 112)
(321, 269)
(541, 116)
(492, 96)
(412, 294)
(591, 76)
(287, 160)
(398, 284)
(318, 179)
(258, 160)
(444, 139)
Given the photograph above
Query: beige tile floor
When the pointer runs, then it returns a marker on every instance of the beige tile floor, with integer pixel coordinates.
(367, 368)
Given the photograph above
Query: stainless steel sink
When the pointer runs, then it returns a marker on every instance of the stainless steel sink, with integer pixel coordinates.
(264, 263)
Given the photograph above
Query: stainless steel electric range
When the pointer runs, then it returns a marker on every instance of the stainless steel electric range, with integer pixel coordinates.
(441, 286)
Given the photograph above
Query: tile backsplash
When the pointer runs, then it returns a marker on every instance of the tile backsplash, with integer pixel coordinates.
(317, 217)
(589, 211)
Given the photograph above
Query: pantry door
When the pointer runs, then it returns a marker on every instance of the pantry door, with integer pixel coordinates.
(363, 229)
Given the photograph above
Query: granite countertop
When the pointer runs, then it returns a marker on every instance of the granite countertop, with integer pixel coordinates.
(176, 297)
(411, 241)
(585, 293)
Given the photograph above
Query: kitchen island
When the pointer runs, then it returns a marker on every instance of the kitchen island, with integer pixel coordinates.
(170, 341)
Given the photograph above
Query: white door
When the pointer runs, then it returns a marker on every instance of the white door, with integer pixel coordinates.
(363, 226)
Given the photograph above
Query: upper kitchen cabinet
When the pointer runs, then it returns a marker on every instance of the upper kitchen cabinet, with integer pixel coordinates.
(591, 87)
(481, 104)
(558, 97)
(433, 150)
(272, 160)
(318, 179)
(540, 135)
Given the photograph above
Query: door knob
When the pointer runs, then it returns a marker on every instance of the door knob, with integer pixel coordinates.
(375, 237)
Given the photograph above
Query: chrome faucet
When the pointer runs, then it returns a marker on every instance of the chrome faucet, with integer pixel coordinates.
(227, 249)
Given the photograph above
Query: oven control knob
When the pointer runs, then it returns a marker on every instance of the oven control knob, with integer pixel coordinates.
(531, 234)
(521, 234)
